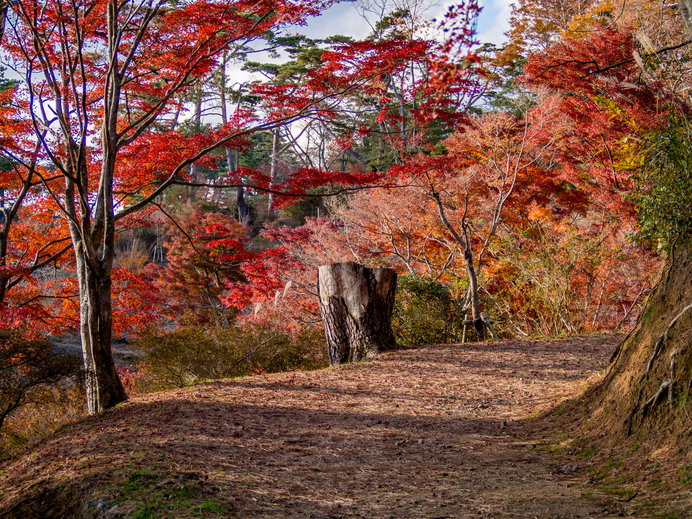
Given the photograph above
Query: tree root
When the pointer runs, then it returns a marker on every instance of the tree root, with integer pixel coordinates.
(689, 388)
(662, 339)
(618, 350)
(672, 258)
(667, 385)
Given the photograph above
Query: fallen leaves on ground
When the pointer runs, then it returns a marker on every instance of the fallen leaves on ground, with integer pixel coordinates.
(440, 431)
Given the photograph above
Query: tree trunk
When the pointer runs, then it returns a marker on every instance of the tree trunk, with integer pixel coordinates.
(685, 7)
(463, 240)
(356, 305)
(273, 170)
(232, 165)
(243, 209)
(103, 386)
(478, 323)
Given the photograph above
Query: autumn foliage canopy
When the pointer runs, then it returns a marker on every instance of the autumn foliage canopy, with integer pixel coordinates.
(142, 187)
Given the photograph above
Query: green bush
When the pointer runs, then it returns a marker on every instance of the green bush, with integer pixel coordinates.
(425, 312)
(196, 353)
(663, 193)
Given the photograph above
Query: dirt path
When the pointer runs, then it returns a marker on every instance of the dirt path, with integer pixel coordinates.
(437, 432)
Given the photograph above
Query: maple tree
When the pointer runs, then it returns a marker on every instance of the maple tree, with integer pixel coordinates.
(111, 143)
(572, 187)
(204, 253)
(526, 213)
(101, 85)
(30, 240)
(624, 81)
(382, 227)
(99, 80)
(529, 197)
(401, 109)
(496, 156)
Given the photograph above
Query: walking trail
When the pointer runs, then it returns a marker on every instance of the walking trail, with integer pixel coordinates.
(437, 432)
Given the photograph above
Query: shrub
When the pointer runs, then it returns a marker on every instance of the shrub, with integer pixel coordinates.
(51, 408)
(425, 312)
(36, 389)
(196, 353)
(664, 187)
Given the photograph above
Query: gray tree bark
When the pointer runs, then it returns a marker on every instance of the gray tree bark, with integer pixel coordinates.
(243, 209)
(274, 165)
(103, 386)
(463, 239)
(356, 305)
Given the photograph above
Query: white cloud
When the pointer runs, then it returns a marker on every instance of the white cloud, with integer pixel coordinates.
(493, 21)
(342, 18)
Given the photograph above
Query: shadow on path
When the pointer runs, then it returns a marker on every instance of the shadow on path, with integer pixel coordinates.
(433, 432)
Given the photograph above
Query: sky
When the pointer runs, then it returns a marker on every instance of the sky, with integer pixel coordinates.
(343, 18)
(493, 21)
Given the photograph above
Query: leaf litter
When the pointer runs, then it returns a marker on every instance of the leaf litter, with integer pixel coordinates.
(437, 432)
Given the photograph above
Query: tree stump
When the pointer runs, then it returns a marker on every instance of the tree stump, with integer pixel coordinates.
(356, 305)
